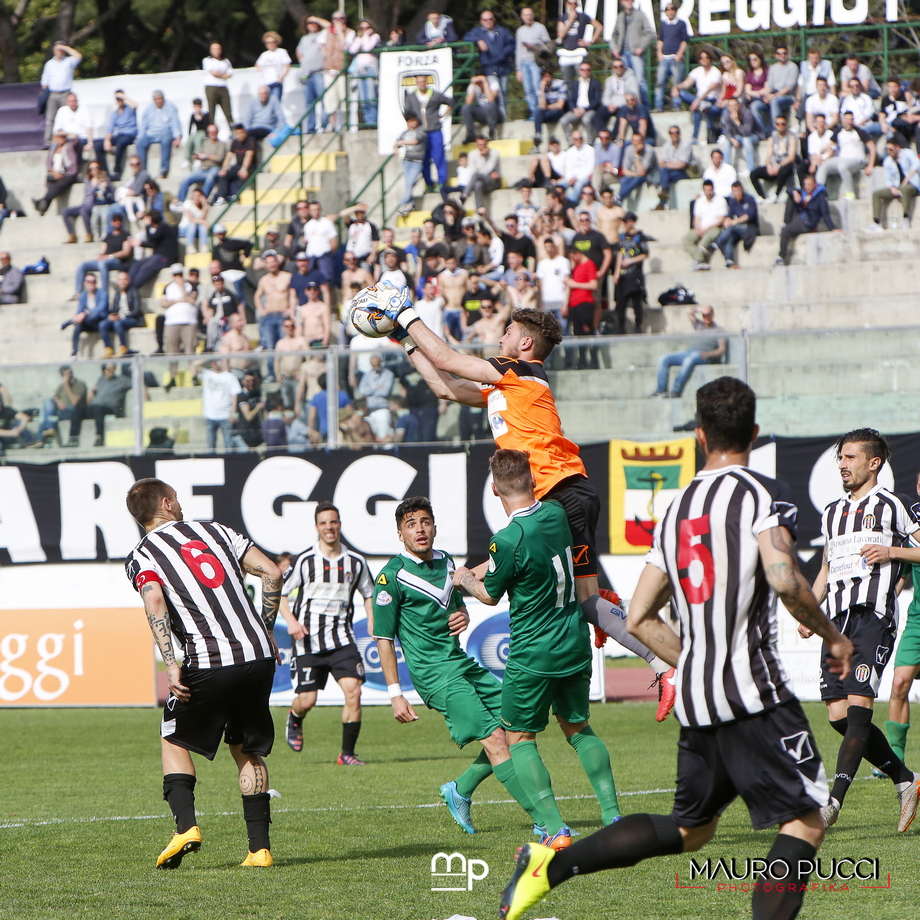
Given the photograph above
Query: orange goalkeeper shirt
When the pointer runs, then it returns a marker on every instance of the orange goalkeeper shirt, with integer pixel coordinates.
(523, 416)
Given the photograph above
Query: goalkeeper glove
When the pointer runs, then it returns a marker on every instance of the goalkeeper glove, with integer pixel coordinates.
(397, 305)
(400, 335)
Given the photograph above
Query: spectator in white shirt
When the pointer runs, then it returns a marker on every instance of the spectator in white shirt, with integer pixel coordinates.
(430, 309)
(181, 325)
(855, 152)
(219, 393)
(822, 102)
(273, 63)
(706, 81)
(709, 213)
(75, 121)
(821, 145)
(863, 108)
(57, 78)
(579, 166)
(551, 274)
(218, 70)
(723, 175)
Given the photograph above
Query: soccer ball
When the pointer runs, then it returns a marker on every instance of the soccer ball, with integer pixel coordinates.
(366, 315)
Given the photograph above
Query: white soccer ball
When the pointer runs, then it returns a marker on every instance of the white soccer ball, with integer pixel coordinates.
(366, 315)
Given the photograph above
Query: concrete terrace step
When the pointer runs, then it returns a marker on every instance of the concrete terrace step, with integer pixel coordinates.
(312, 162)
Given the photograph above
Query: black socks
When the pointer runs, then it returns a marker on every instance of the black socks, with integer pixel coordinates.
(179, 792)
(257, 811)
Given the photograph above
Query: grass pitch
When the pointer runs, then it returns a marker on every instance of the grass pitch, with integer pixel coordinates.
(82, 821)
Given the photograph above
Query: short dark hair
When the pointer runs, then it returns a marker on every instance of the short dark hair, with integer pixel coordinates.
(416, 503)
(725, 410)
(872, 442)
(737, 184)
(324, 506)
(708, 181)
(156, 217)
(511, 472)
(144, 497)
(542, 327)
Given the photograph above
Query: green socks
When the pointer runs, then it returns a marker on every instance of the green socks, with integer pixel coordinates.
(596, 762)
(534, 779)
(897, 736)
(474, 774)
(507, 776)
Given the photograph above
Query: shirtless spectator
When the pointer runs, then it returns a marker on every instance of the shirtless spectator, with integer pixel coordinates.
(609, 216)
(272, 301)
(217, 310)
(288, 366)
(353, 273)
(234, 342)
(315, 319)
(488, 329)
(524, 295)
(451, 285)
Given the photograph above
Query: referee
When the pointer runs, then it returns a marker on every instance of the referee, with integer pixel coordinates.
(190, 576)
(325, 579)
(869, 534)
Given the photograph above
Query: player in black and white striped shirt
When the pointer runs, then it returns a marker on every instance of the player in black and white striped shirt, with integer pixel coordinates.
(326, 578)
(725, 542)
(190, 576)
(868, 534)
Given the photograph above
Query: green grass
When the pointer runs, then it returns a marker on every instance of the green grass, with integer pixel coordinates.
(82, 822)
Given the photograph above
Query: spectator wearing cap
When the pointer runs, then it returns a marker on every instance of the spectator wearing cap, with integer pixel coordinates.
(62, 167)
(92, 308)
(57, 78)
(181, 324)
(388, 241)
(121, 134)
(265, 116)
(125, 312)
(413, 142)
(159, 125)
(273, 64)
(495, 44)
(207, 162)
(229, 253)
(237, 164)
(314, 317)
(391, 272)
(271, 242)
(302, 277)
(217, 310)
(163, 240)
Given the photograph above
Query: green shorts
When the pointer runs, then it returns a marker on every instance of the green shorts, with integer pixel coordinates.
(527, 698)
(470, 704)
(908, 653)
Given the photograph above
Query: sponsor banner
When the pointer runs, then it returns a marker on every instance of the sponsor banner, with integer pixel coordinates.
(398, 72)
(79, 657)
(644, 478)
(486, 640)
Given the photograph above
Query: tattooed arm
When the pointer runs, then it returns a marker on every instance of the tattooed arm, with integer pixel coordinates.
(644, 620)
(158, 618)
(472, 583)
(255, 562)
(781, 565)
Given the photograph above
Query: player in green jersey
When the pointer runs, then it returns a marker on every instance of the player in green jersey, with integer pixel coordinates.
(549, 658)
(416, 602)
(906, 669)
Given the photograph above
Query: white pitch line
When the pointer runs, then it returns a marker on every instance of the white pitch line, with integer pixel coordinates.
(53, 821)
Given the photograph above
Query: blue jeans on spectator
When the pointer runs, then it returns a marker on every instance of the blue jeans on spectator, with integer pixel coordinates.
(4, 214)
(121, 327)
(667, 177)
(686, 361)
(367, 93)
(121, 142)
(275, 90)
(270, 333)
(668, 69)
(226, 429)
(636, 62)
(780, 105)
(731, 236)
(573, 192)
(312, 90)
(412, 169)
(146, 141)
(207, 178)
(192, 232)
(747, 145)
(530, 71)
(542, 117)
(761, 112)
(434, 153)
(52, 416)
(628, 184)
(872, 128)
(103, 266)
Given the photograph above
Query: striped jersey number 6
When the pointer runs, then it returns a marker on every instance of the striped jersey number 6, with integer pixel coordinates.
(690, 549)
(196, 555)
(560, 578)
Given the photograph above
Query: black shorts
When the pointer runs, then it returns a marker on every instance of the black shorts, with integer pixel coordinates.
(873, 644)
(230, 701)
(770, 760)
(582, 507)
(311, 671)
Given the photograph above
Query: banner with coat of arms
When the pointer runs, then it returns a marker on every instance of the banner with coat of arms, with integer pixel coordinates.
(644, 478)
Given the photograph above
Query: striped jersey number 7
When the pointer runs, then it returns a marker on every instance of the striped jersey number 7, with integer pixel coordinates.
(690, 550)
(561, 575)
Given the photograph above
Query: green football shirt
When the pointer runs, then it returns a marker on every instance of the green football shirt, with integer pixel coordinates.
(531, 560)
(412, 602)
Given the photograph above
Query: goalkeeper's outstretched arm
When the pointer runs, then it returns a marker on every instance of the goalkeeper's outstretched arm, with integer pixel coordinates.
(442, 384)
(443, 357)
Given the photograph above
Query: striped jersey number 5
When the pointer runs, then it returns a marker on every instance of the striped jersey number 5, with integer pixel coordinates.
(690, 550)
(196, 556)
(560, 578)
